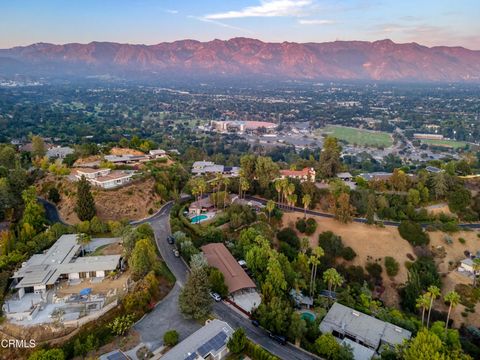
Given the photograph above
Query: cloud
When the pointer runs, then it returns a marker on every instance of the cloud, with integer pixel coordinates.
(171, 11)
(316, 22)
(219, 23)
(267, 8)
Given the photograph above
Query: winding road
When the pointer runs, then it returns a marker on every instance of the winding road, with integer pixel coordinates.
(166, 315)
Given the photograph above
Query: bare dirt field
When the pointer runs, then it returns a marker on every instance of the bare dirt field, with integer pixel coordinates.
(103, 287)
(131, 202)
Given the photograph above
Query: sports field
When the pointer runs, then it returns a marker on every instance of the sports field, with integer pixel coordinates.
(359, 136)
(446, 143)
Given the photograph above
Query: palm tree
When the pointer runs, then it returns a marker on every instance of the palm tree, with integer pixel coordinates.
(201, 186)
(333, 279)
(476, 269)
(244, 185)
(214, 183)
(452, 298)
(314, 260)
(278, 188)
(226, 182)
(423, 302)
(434, 292)
(291, 190)
(270, 206)
(306, 200)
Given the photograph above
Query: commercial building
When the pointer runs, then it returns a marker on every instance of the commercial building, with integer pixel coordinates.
(207, 343)
(243, 126)
(105, 178)
(306, 174)
(61, 261)
(428, 136)
(364, 333)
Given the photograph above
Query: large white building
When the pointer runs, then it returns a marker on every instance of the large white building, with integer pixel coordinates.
(61, 261)
(209, 167)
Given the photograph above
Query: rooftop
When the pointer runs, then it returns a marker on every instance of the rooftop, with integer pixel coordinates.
(362, 327)
(207, 340)
(218, 256)
(46, 268)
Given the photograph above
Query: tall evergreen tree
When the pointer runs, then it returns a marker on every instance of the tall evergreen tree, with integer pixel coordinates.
(330, 157)
(85, 207)
(194, 300)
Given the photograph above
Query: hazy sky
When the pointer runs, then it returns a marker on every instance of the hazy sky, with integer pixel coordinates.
(428, 22)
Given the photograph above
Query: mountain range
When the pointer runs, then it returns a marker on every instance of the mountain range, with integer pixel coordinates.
(381, 60)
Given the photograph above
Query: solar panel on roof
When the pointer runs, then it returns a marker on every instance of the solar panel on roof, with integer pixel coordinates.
(117, 356)
(214, 343)
(191, 357)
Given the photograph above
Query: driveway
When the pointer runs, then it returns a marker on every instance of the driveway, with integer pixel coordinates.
(166, 315)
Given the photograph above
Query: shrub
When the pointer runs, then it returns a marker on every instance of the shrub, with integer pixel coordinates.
(448, 239)
(288, 235)
(413, 233)
(375, 270)
(311, 226)
(348, 253)
(170, 338)
(462, 240)
(392, 266)
(301, 225)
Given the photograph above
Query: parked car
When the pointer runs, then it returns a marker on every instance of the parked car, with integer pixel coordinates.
(170, 239)
(278, 338)
(255, 323)
(215, 296)
(176, 253)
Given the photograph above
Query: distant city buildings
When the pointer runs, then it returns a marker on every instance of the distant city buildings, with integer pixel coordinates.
(243, 126)
(428, 136)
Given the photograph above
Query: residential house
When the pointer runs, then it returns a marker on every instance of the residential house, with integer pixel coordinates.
(200, 206)
(209, 167)
(241, 288)
(157, 154)
(207, 343)
(364, 333)
(61, 261)
(345, 176)
(306, 174)
(105, 178)
(59, 152)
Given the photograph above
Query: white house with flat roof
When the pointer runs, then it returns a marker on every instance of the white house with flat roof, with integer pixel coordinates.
(364, 333)
(209, 342)
(105, 178)
(59, 152)
(61, 261)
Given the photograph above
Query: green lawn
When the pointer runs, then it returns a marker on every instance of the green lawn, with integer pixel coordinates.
(446, 143)
(359, 136)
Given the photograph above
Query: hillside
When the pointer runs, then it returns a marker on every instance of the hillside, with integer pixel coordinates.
(238, 57)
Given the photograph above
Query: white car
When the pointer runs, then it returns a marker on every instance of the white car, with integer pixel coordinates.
(215, 296)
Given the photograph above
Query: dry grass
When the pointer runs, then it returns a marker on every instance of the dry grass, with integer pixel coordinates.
(371, 243)
(131, 202)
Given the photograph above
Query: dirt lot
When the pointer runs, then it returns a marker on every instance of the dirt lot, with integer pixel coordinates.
(125, 151)
(131, 202)
(103, 287)
(372, 243)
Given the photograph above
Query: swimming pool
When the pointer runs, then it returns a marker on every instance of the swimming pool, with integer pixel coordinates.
(198, 218)
(308, 316)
